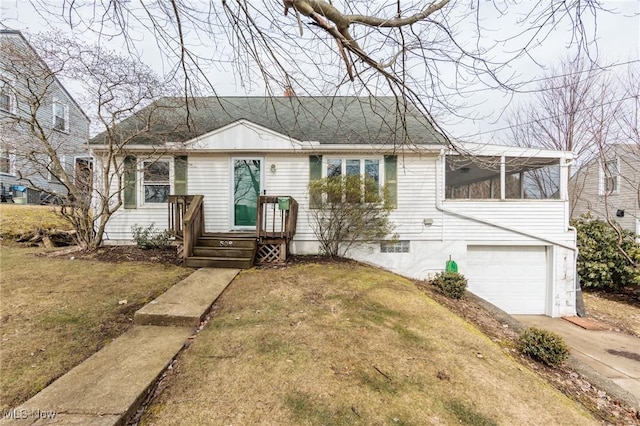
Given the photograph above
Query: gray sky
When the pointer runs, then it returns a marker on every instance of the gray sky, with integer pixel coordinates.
(618, 36)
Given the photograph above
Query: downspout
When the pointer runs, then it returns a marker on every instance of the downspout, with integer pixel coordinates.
(441, 208)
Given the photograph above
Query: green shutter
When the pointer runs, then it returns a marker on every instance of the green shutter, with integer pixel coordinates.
(180, 175)
(391, 178)
(129, 182)
(315, 173)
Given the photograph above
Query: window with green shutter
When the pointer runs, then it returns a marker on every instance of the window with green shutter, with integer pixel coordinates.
(391, 178)
(129, 189)
(315, 173)
(180, 175)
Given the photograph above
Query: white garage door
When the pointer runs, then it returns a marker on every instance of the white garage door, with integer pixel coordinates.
(514, 278)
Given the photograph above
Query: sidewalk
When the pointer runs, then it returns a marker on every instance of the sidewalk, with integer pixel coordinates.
(107, 388)
(615, 356)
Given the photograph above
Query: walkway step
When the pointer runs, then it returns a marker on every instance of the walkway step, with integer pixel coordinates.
(186, 303)
(108, 386)
(219, 262)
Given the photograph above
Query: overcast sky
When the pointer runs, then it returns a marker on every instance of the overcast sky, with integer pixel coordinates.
(618, 36)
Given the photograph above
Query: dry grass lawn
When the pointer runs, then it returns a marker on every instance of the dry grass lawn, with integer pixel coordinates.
(346, 344)
(16, 220)
(615, 310)
(56, 312)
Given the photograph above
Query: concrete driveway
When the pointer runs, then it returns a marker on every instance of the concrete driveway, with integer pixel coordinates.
(615, 356)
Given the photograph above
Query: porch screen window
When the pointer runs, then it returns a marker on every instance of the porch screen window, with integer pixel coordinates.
(524, 178)
(156, 181)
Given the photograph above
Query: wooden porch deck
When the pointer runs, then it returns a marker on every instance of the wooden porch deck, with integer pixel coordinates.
(275, 226)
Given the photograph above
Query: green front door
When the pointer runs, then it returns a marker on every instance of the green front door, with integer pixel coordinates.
(246, 189)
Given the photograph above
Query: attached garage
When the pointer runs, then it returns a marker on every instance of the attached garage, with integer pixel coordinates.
(514, 278)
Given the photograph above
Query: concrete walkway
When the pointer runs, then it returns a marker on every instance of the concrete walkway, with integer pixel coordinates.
(107, 388)
(615, 356)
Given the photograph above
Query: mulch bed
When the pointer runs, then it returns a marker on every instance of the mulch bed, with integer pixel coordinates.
(129, 253)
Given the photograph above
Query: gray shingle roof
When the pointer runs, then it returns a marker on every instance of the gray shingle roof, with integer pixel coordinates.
(328, 120)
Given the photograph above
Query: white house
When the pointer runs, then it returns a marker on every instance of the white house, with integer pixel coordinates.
(502, 213)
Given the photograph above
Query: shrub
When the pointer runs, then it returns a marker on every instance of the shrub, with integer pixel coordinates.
(601, 263)
(451, 284)
(347, 211)
(149, 237)
(544, 346)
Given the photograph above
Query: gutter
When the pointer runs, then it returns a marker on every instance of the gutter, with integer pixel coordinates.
(443, 209)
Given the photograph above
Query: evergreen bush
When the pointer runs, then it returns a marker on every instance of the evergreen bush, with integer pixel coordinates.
(544, 346)
(452, 284)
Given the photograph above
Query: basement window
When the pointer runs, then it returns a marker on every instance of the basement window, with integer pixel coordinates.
(400, 246)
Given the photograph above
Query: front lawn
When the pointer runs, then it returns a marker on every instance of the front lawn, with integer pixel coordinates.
(347, 344)
(55, 312)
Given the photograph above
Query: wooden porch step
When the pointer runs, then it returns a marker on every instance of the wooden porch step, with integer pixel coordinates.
(219, 262)
(227, 241)
(224, 251)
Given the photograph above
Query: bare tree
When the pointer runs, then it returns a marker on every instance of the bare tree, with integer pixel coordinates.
(558, 115)
(414, 50)
(114, 88)
(628, 120)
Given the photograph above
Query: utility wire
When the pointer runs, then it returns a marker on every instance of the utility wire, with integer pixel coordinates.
(545, 118)
(536, 80)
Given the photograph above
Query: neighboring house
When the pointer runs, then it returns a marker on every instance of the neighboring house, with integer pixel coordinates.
(502, 213)
(609, 186)
(30, 94)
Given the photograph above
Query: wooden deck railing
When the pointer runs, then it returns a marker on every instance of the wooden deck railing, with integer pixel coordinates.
(277, 217)
(186, 220)
(178, 205)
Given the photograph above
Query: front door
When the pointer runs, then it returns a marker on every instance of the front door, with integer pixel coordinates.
(247, 184)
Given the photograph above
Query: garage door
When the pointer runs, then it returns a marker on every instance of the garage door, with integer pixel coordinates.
(514, 278)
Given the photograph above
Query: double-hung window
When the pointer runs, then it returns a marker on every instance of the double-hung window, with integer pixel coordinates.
(60, 116)
(6, 160)
(156, 181)
(363, 172)
(6, 102)
(7, 96)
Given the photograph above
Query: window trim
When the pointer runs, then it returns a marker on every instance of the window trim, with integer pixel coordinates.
(11, 160)
(12, 102)
(603, 177)
(57, 102)
(7, 82)
(362, 159)
(141, 192)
